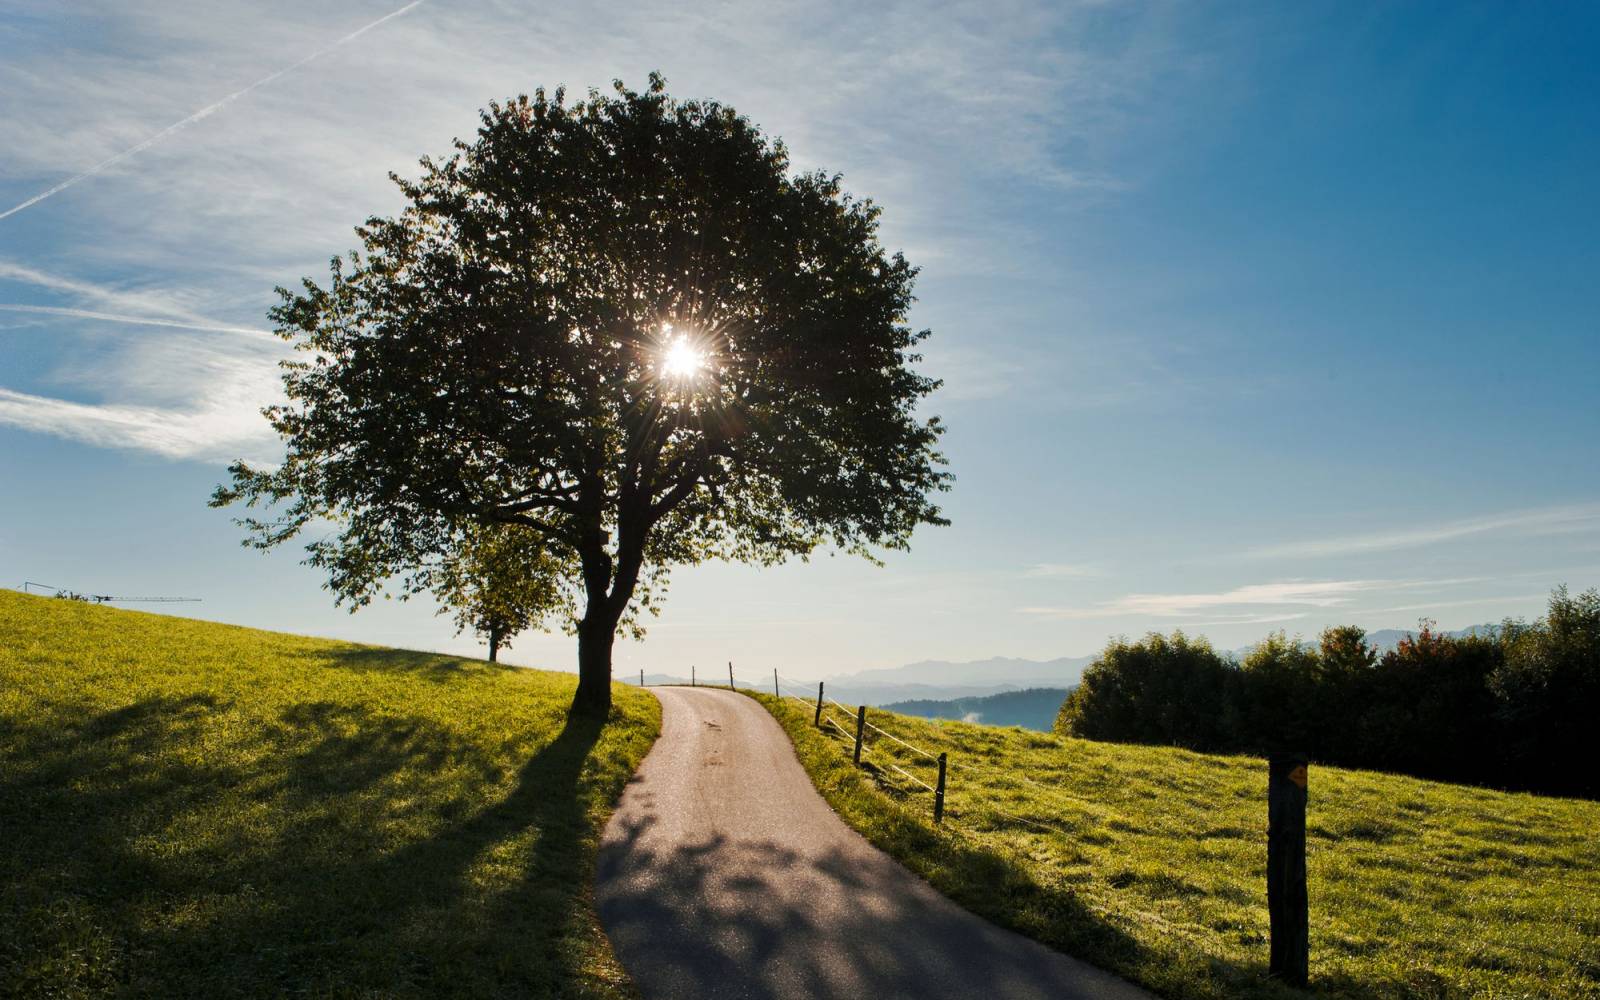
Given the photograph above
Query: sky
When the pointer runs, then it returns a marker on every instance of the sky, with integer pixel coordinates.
(1251, 317)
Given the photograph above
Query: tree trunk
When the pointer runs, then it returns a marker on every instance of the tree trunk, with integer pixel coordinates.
(494, 643)
(596, 633)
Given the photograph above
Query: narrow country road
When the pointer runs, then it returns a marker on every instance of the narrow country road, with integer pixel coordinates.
(724, 874)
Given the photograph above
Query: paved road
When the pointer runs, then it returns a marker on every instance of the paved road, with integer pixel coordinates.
(724, 874)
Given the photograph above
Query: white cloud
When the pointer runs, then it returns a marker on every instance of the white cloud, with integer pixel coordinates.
(1544, 520)
(930, 111)
(175, 304)
(1499, 602)
(203, 113)
(1062, 570)
(215, 427)
(131, 320)
(1287, 594)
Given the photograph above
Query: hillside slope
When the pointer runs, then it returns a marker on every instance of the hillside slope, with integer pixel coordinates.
(1150, 861)
(192, 809)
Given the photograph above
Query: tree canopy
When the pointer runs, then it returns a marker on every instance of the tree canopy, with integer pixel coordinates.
(623, 324)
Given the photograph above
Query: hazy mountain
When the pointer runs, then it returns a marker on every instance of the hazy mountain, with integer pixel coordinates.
(929, 680)
(1034, 708)
(947, 681)
(998, 672)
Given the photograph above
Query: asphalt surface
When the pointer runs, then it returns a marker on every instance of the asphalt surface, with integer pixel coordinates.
(724, 874)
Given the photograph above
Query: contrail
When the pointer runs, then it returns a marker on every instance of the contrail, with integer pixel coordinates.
(137, 320)
(205, 112)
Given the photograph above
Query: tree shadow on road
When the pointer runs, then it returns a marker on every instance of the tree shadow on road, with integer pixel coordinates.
(755, 919)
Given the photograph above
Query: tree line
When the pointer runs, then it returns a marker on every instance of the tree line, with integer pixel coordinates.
(1514, 707)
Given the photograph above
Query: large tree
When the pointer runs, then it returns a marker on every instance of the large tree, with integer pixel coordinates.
(624, 324)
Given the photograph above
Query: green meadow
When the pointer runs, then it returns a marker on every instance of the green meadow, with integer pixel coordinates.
(192, 809)
(1150, 861)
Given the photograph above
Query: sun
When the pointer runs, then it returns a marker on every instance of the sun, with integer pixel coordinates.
(682, 360)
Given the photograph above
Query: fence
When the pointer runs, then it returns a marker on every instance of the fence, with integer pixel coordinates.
(889, 758)
(892, 761)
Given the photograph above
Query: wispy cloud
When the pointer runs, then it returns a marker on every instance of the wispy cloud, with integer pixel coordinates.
(204, 112)
(178, 395)
(1273, 619)
(1500, 602)
(1543, 520)
(145, 302)
(132, 320)
(216, 427)
(1062, 570)
(214, 216)
(1286, 594)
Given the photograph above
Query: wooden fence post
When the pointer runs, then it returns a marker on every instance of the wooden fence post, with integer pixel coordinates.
(1287, 906)
(938, 794)
(861, 723)
(775, 692)
(691, 676)
(818, 720)
(730, 677)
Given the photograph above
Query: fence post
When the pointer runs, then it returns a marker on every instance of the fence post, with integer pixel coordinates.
(861, 723)
(730, 677)
(691, 676)
(641, 677)
(775, 692)
(818, 720)
(1287, 906)
(938, 794)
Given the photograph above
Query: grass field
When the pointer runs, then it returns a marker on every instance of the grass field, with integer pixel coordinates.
(1150, 862)
(191, 809)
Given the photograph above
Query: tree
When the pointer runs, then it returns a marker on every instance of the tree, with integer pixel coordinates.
(624, 325)
(1170, 690)
(1275, 697)
(1548, 694)
(500, 581)
(1433, 708)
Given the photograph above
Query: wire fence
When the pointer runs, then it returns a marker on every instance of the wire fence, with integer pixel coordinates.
(891, 758)
(893, 762)
(874, 753)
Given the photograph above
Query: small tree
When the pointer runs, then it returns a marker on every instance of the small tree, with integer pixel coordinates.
(624, 325)
(500, 581)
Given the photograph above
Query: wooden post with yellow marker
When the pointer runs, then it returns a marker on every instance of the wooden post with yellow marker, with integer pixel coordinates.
(861, 724)
(1287, 906)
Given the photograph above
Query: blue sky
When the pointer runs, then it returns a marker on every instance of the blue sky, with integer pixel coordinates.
(1251, 318)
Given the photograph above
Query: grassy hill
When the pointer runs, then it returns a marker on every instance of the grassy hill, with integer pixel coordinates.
(1150, 861)
(192, 809)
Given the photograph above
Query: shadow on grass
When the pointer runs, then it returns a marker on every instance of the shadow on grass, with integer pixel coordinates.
(335, 851)
(1003, 887)
(433, 666)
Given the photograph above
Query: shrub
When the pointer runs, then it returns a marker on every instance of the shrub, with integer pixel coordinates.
(1162, 689)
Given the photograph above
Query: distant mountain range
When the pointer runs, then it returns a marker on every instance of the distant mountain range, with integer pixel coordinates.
(947, 681)
(1034, 708)
(928, 680)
